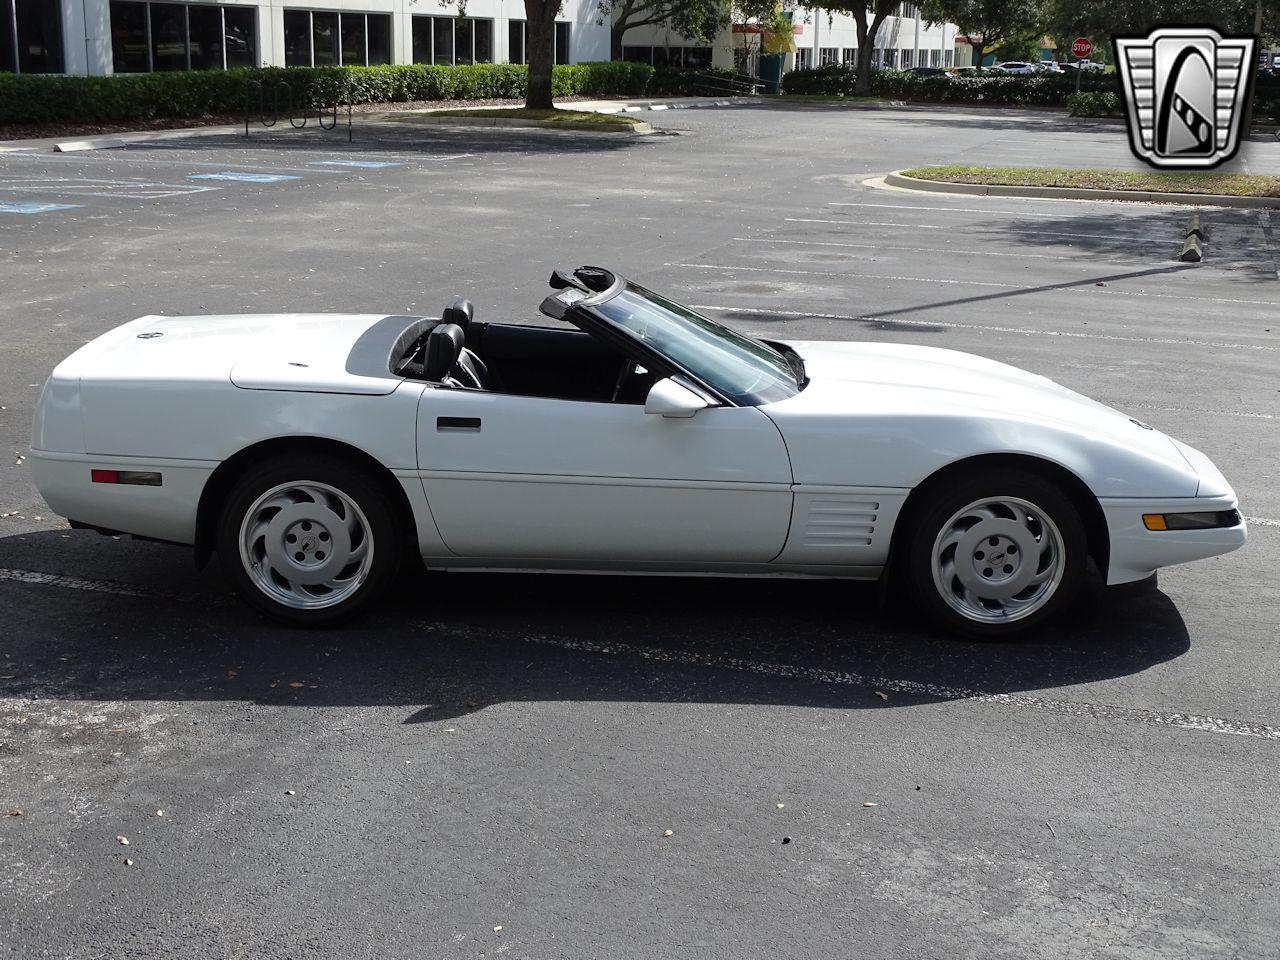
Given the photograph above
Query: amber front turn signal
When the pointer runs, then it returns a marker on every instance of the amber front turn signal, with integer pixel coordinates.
(1154, 521)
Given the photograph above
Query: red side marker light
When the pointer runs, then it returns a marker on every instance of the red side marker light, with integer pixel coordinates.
(105, 476)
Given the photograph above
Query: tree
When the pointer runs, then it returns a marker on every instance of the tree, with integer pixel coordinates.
(986, 23)
(1100, 19)
(540, 50)
(692, 19)
(868, 16)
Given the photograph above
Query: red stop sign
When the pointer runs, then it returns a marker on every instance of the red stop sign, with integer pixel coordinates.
(1081, 48)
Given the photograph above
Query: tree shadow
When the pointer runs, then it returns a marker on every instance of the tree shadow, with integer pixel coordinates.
(424, 139)
(449, 644)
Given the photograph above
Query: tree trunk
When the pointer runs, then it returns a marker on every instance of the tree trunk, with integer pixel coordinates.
(615, 40)
(978, 54)
(540, 49)
(866, 50)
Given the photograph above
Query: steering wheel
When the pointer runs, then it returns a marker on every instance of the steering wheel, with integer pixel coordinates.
(628, 368)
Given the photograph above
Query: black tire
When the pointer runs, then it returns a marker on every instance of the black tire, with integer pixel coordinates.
(376, 512)
(945, 502)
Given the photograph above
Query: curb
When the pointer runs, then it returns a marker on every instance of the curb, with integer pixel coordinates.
(896, 179)
(483, 121)
(121, 139)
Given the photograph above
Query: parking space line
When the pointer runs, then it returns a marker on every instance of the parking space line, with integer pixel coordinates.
(1110, 235)
(1022, 331)
(243, 177)
(93, 187)
(1199, 723)
(1072, 287)
(14, 206)
(359, 164)
(1097, 711)
(950, 251)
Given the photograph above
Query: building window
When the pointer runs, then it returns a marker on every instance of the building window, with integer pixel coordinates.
(949, 58)
(689, 58)
(891, 59)
(849, 56)
(827, 56)
(907, 56)
(802, 58)
(935, 58)
(31, 36)
(518, 49)
(180, 36)
(446, 40)
(319, 38)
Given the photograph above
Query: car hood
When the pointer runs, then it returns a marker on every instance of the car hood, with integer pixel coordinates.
(910, 409)
(308, 352)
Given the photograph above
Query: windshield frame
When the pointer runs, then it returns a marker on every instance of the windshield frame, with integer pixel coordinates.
(586, 313)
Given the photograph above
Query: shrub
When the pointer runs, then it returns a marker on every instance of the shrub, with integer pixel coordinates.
(679, 82)
(1094, 103)
(30, 98)
(1004, 88)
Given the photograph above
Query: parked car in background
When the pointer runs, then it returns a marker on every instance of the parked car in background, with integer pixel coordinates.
(927, 71)
(1014, 66)
(963, 71)
(1048, 66)
(1088, 66)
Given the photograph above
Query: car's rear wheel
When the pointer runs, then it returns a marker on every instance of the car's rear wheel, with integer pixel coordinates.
(309, 542)
(997, 554)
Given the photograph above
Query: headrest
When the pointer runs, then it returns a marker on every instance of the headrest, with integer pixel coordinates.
(440, 355)
(459, 311)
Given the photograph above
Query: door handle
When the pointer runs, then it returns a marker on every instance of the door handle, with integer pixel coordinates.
(458, 423)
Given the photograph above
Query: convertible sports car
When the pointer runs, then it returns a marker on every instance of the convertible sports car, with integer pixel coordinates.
(314, 452)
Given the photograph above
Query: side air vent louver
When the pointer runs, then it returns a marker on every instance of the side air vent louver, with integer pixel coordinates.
(840, 523)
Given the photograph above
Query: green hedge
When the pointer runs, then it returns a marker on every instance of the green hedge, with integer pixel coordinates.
(1033, 90)
(1094, 103)
(1099, 93)
(29, 98)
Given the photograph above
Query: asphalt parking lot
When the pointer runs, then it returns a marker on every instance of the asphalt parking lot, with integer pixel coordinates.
(488, 765)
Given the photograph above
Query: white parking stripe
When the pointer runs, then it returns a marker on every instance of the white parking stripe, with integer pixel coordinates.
(1082, 287)
(1176, 720)
(1182, 721)
(1110, 235)
(951, 251)
(934, 324)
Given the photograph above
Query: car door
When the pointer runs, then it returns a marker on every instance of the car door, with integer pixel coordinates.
(520, 478)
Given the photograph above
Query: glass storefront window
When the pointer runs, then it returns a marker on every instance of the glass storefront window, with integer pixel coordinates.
(353, 38)
(240, 36)
(461, 40)
(177, 36)
(324, 38)
(168, 36)
(39, 36)
(206, 37)
(129, 38)
(379, 39)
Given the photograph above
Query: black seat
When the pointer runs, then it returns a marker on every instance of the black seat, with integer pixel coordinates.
(460, 311)
(474, 373)
(446, 361)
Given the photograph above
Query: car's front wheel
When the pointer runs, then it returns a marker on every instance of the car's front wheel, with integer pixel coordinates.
(307, 541)
(997, 554)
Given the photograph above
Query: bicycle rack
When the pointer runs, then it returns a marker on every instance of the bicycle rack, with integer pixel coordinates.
(298, 118)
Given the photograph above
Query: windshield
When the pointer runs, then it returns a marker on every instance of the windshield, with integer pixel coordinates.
(744, 370)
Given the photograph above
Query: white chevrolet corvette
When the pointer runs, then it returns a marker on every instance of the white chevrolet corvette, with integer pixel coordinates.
(313, 452)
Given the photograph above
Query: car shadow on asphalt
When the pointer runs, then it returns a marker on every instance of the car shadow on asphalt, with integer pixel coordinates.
(449, 644)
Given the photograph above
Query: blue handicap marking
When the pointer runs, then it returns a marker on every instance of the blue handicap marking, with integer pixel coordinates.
(13, 206)
(243, 177)
(362, 164)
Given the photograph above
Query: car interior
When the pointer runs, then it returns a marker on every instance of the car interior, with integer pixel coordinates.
(461, 352)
